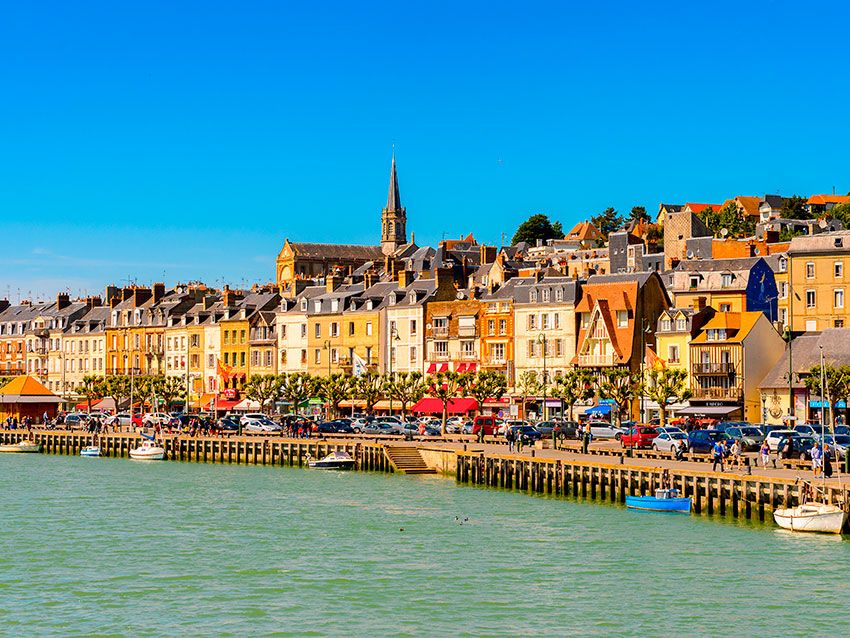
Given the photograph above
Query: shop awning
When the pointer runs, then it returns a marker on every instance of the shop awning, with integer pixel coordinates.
(497, 403)
(430, 405)
(444, 367)
(247, 405)
(432, 369)
(205, 402)
(708, 410)
(352, 403)
(817, 403)
(224, 404)
(602, 408)
(461, 367)
(470, 367)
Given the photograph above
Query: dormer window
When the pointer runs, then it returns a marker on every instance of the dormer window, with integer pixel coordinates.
(546, 294)
(369, 305)
(532, 296)
(783, 264)
(392, 299)
(559, 294)
(303, 305)
(693, 282)
(334, 305)
(681, 324)
(317, 305)
(726, 280)
(666, 324)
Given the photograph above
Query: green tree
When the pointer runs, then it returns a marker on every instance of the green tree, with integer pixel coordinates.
(334, 390)
(608, 221)
(487, 384)
(116, 387)
(638, 214)
(618, 385)
(296, 387)
(663, 384)
(573, 386)
(446, 386)
(841, 212)
(369, 387)
(794, 207)
(169, 389)
(537, 227)
(711, 219)
(407, 388)
(836, 386)
(262, 388)
(92, 388)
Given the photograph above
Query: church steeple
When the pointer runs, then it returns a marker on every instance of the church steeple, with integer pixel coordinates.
(393, 217)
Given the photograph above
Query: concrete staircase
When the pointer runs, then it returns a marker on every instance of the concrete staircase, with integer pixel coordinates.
(407, 460)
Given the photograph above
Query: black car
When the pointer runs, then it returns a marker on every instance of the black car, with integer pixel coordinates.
(566, 430)
(228, 423)
(545, 428)
(527, 432)
(801, 447)
(333, 427)
(703, 441)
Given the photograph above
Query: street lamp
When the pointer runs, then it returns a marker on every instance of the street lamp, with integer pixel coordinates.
(393, 336)
(327, 346)
(541, 339)
(788, 336)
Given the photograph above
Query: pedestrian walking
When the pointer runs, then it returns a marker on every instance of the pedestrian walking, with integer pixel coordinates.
(718, 452)
(681, 449)
(764, 452)
(735, 455)
(509, 437)
(585, 438)
(816, 455)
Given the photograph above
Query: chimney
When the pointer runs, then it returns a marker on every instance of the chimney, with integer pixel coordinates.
(771, 237)
(405, 278)
(111, 293)
(140, 296)
(296, 288)
(158, 291)
(699, 304)
(333, 281)
(62, 301)
(93, 302)
(488, 254)
(4, 303)
(370, 278)
(445, 281)
(390, 266)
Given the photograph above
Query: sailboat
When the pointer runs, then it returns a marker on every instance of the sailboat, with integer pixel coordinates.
(148, 450)
(812, 515)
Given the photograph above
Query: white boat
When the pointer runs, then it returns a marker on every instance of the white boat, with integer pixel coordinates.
(148, 451)
(90, 450)
(812, 517)
(333, 461)
(21, 446)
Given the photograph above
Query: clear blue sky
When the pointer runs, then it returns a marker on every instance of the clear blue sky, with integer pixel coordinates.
(186, 142)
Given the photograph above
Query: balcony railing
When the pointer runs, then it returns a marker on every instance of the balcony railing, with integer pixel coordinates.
(439, 356)
(722, 368)
(467, 332)
(593, 360)
(731, 394)
(469, 356)
(440, 331)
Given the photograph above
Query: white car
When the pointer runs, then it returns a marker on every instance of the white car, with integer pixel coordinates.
(153, 418)
(251, 417)
(776, 436)
(604, 430)
(669, 441)
(263, 425)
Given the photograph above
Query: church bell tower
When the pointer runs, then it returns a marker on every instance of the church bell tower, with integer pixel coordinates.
(393, 217)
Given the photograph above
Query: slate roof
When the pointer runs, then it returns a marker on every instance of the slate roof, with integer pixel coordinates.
(337, 251)
(805, 352)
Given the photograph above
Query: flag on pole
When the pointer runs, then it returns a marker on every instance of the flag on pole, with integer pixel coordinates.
(652, 360)
(223, 370)
(358, 365)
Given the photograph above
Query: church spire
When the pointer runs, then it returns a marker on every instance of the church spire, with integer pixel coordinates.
(393, 217)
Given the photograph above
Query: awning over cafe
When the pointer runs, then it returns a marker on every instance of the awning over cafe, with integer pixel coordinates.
(708, 410)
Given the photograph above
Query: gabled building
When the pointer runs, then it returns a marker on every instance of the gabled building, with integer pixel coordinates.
(584, 235)
(452, 335)
(679, 227)
(818, 281)
(818, 205)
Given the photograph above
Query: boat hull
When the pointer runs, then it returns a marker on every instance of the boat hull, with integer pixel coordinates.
(153, 454)
(652, 504)
(90, 451)
(21, 447)
(332, 465)
(823, 519)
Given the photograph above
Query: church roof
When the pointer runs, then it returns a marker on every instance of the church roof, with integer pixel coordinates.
(338, 251)
(393, 196)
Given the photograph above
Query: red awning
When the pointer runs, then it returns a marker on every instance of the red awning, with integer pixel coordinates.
(461, 367)
(432, 368)
(430, 405)
(471, 367)
(224, 404)
(444, 367)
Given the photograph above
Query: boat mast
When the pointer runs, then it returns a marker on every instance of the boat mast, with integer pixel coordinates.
(822, 422)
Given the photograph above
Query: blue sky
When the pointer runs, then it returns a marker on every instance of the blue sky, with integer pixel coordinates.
(185, 141)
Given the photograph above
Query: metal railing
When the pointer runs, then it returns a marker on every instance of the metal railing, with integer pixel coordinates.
(734, 394)
(724, 367)
(596, 360)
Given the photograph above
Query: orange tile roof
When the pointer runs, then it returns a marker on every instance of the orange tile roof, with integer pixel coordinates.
(611, 297)
(583, 231)
(828, 199)
(698, 208)
(743, 322)
(749, 204)
(26, 386)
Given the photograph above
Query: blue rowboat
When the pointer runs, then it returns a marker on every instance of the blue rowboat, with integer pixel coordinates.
(91, 450)
(663, 501)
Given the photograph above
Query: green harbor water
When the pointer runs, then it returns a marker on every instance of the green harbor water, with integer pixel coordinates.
(112, 547)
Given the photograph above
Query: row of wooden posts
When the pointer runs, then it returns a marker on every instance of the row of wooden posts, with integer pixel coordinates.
(725, 494)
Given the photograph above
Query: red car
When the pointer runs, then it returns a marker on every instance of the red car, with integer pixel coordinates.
(639, 436)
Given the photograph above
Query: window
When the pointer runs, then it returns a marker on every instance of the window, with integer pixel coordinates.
(559, 294)
(681, 324)
(622, 318)
(673, 353)
(226, 358)
(725, 307)
(466, 326)
(283, 331)
(838, 323)
(585, 319)
(317, 330)
(241, 336)
(556, 320)
(467, 349)
(350, 328)
(545, 295)
(303, 330)
(531, 348)
(334, 329)
(441, 325)
(532, 296)
(838, 267)
(334, 355)
(242, 359)
(725, 280)
(317, 355)
(393, 330)
(783, 290)
(810, 270)
(783, 264)
(413, 327)
(559, 347)
(211, 361)
(545, 321)
(334, 305)
(811, 325)
(497, 353)
(838, 298)
(368, 328)
(810, 299)
(441, 349)
(491, 327)
(413, 355)
(532, 322)
(503, 326)
(694, 282)
(666, 324)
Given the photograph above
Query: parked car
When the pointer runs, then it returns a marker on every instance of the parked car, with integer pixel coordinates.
(528, 432)
(76, 420)
(431, 430)
(228, 423)
(389, 419)
(245, 419)
(545, 428)
(839, 444)
(566, 430)
(604, 430)
(156, 418)
(801, 446)
(488, 422)
(749, 437)
(775, 436)
(807, 429)
(122, 419)
(467, 428)
(669, 439)
(382, 429)
(639, 436)
(702, 441)
(261, 425)
(342, 427)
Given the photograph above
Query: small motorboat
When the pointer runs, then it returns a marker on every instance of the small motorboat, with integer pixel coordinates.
(90, 450)
(812, 517)
(21, 446)
(333, 461)
(148, 451)
(665, 500)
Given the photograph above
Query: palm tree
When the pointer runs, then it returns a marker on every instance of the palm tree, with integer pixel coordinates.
(663, 384)
(262, 388)
(446, 386)
(369, 387)
(92, 388)
(573, 386)
(407, 388)
(335, 389)
(487, 384)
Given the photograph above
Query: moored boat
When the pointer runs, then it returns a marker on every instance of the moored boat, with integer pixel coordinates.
(21, 446)
(333, 461)
(665, 500)
(148, 451)
(812, 517)
(90, 450)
